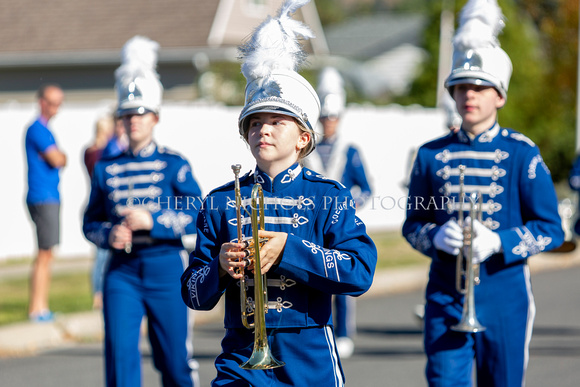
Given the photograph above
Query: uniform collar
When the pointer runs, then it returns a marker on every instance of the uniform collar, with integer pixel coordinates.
(281, 181)
(486, 136)
(147, 151)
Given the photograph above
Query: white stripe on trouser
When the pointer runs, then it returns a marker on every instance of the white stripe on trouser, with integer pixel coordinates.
(530, 322)
(193, 364)
(338, 381)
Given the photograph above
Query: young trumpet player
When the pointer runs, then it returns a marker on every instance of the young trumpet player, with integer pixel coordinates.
(316, 245)
(519, 218)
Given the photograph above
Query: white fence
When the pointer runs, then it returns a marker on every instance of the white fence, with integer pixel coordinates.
(208, 137)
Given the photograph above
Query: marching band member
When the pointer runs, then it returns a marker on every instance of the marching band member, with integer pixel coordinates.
(316, 247)
(338, 160)
(520, 217)
(142, 201)
(574, 183)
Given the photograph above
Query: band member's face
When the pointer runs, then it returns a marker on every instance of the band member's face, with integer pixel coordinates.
(275, 138)
(477, 105)
(139, 127)
(329, 125)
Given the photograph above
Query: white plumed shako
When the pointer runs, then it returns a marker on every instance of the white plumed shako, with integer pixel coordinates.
(477, 55)
(271, 58)
(331, 92)
(136, 80)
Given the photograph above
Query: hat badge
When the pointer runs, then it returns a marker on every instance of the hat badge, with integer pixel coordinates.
(268, 88)
(471, 61)
(133, 91)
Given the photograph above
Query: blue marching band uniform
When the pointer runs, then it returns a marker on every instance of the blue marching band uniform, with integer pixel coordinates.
(315, 212)
(342, 162)
(574, 183)
(144, 280)
(519, 203)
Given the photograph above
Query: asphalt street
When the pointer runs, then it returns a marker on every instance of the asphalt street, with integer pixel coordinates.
(388, 345)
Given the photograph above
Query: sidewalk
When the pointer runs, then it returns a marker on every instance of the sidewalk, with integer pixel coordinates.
(26, 338)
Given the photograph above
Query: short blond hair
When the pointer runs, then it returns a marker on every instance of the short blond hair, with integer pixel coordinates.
(311, 144)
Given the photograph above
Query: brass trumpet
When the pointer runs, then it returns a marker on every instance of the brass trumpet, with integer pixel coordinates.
(466, 279)
(261, 357)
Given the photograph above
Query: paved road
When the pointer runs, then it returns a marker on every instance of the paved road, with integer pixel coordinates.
(388, 346)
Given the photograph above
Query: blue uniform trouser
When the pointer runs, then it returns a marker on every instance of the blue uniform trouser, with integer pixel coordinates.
(137, 286)
(102, 257)
(500, 351)
(309, 353)
(344, 315)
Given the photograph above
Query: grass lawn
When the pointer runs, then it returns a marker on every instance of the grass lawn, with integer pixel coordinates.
(71, 292)
(394, 251)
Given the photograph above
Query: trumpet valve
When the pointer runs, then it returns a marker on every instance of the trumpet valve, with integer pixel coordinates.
(467, 236)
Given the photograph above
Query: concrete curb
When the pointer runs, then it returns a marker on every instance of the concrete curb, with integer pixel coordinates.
(28, 338)
(25, 338)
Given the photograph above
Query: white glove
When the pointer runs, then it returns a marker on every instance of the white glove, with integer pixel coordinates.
(485, 242)
(449, 238)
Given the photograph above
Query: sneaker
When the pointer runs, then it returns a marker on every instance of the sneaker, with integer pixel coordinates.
(42, 317)
(345, 347)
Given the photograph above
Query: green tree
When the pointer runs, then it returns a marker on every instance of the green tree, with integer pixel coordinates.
(543, 47)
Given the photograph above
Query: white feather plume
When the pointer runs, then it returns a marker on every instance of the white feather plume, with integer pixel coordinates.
(275, 44)
(138, 58)
(480, 23)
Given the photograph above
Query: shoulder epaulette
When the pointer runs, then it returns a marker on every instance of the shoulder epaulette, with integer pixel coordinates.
(311, 175)
(512, 134)
(442, 140)
(167, 151)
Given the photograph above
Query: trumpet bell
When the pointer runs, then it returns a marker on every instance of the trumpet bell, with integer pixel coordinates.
(262, 359)
(468, 325)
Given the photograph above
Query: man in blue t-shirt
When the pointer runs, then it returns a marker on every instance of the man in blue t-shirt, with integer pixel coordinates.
(45, 160)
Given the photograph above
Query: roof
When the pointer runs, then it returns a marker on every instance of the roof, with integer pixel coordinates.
(64, 32)
(78, 43)
(365, 37)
